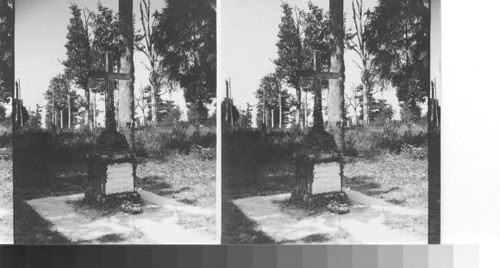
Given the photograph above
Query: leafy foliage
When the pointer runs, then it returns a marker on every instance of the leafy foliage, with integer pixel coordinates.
(290, 53)
(158, 76)
(185, 38)
(106, 33)
(268, 98)
(57, 101)
(357, 41)
(168, 112)
(6, 50)
(35, 119)
(234, 112)
(318, 34)
(398, 37)
(78, 62)
(245, 121)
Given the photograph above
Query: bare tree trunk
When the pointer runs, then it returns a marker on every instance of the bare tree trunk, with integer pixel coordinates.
(336, 113)
(126, 87)
(88, 117)
(230, 103)
(14, 105)
(264, 117)
(306, 118)
(300, 114)
(61, 119)
(366, 105)
(69, 110)
(94, 114)
(281, 110)
(154, 110)
(54, 114)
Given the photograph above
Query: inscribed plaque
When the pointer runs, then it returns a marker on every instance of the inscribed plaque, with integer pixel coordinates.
(120, 178)
(326, 178)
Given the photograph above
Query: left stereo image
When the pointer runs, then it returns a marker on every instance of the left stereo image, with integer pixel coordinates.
(6, 119)
(113, 120)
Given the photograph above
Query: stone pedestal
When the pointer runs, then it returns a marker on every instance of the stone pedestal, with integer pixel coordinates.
(317, 167)
(111, 169)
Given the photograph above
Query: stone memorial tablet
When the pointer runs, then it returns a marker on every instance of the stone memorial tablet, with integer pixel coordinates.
(119, 178)
(326, 178)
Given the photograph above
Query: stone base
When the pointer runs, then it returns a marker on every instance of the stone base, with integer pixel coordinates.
(319, 200)
(98, 165)
(129, 202)
(304, 175)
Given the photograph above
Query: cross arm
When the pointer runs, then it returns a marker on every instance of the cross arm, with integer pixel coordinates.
(106, 75)
(308, 73)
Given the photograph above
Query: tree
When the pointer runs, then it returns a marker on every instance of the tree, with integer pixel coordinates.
(398, 37)
(169, 113)
(273, 102)
(143, 42)
(105, 36)
(353, 101)
(57, 102)
(185, 38)
(3, 111)
(381, 111)
(245, 121)
(78, 53)
(234, 112)
(290, 54)
(356, 41)
(6, 50)
(35, 119)
(142, 102)
(336, 102)
(317, 35)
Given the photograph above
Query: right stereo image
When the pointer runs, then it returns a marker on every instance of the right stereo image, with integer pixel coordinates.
(330, 121)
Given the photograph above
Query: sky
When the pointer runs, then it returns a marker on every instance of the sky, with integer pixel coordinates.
(436, 44)
(249, 31)
(247, 34)
(40, 36)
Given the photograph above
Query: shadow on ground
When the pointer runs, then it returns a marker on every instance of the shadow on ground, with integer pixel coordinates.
(31, 228)
(239, 229)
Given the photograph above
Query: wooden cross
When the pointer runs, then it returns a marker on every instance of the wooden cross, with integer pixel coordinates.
(318, 75)
(110, 88)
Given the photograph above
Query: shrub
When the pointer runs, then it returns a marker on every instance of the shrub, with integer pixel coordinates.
(203, 153)
(374, 140)
(179, 138)
(419, 153)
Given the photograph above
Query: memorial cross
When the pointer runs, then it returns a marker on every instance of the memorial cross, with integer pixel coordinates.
(110, 88)
(318, 75)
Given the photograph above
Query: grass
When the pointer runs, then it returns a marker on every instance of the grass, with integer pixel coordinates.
(185, 178)
(397, 179)
(6, 204)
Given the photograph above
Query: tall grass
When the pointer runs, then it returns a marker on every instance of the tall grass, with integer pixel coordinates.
(362, 141)
(390, 137)
(150, 142)
(5, 133)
